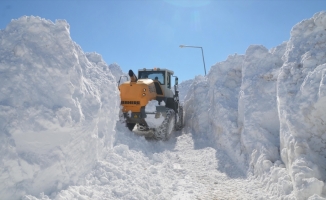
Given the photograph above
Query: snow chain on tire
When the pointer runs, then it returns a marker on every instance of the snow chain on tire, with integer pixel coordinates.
(165, 129)
(179, 124)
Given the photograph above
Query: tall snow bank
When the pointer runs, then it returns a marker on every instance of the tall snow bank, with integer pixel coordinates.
(58, 108)
(120, 76)
(211, 105)
(258, 117)
(302, 106)
(267, 109)
(183, 88)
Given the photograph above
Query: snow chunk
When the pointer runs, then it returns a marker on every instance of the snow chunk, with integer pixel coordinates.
(153, 120)
(162, 103)
(151, 106)
(129, 113)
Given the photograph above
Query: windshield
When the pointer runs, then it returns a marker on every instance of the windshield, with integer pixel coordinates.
(154, 75)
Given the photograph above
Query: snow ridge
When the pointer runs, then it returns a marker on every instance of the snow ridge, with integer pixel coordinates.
(301, 94)
(266, 108)
(54, 105)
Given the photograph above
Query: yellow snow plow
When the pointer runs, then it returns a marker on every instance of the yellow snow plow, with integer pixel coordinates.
(151, 85)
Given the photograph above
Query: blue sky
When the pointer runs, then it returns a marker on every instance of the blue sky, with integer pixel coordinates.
(147, 33)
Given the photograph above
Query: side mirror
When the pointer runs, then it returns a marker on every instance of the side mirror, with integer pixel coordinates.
(120, 79)
(176, 81)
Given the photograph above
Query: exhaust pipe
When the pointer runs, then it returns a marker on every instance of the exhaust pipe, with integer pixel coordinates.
(133, 77)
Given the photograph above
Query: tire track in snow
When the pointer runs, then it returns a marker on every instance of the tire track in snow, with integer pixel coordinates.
(204, 178)
(140, 169)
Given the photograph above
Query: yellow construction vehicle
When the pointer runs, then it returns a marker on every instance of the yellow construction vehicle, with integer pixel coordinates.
(152, 85)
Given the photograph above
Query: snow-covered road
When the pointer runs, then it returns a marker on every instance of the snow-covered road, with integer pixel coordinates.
(207, 173)
(181, 168)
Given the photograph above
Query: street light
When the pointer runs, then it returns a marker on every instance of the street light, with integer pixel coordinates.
(202, 53)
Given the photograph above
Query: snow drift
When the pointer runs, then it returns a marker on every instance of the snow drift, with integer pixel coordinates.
(267, 109)
(57, 108)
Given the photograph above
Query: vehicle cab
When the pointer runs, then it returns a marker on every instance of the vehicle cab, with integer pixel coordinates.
(161, 78)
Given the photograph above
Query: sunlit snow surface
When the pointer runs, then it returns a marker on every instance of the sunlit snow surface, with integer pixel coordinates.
(181, 168)
(255, 125)
(57, 108)
(267, 109)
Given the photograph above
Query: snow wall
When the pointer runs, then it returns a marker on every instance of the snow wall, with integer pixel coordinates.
(57, 108)
(267, 108)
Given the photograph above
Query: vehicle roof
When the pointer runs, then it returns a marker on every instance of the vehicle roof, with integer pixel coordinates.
(156, 69)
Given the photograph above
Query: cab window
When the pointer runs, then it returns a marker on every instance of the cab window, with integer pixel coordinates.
(168, 80)
(154, 75)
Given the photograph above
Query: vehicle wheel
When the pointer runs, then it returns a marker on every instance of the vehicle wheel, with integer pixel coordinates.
(164, 131)
(131, 126)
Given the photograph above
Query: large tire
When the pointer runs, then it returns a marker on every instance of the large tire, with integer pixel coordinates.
(131, 126)
(164, 131)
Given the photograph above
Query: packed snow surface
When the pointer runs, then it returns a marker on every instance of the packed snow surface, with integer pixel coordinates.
(255, 125)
